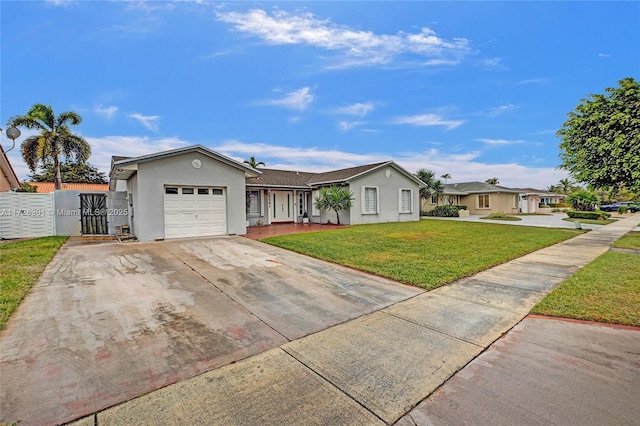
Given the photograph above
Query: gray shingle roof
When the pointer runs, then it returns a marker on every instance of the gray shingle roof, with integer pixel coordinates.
(342, 174)
(283, 178)
(476, 187)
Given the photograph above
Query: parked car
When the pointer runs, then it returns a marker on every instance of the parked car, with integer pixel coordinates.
(631, 207)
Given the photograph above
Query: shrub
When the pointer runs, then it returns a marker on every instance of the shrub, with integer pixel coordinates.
(462, 207)
(598, 215)
(560, 205)
(444, 211)
(622, 209)
(496, 215)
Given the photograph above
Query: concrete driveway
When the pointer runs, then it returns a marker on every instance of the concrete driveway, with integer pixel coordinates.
(109, 322)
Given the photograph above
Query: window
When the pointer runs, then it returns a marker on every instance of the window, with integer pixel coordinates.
(369, 200)
(171, 190)
(217, 192)
(545, 200)
(203, 191)
(434, 199)
(253, 203)
(405, 201)
(187, 191)
(483, 201)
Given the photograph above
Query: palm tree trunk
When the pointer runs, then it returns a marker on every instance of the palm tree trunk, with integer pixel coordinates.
(56, 167)
(338, 217)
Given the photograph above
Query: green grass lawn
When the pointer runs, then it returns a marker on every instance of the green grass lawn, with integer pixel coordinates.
(22, 263)
(606, 290)
(426, 254)
(630, 241)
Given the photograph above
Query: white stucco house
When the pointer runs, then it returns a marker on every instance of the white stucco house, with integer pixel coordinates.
(194, 191)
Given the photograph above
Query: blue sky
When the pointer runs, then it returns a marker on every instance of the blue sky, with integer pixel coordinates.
(473, 89)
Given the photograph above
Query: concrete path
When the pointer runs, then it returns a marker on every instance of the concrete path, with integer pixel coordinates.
(544, 372)
(109, 322)
(376, 368)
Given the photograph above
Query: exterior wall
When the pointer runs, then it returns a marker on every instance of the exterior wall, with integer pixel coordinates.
(4, 183)
(26, 215)
(388, 197)
(67, 217)
(148, 191)
(499, 202)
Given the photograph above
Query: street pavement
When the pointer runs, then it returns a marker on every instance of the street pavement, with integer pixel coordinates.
(381, 368)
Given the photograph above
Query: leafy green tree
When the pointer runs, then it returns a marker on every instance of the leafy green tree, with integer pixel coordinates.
(334, 198)
(70, 172)
(600, 141)
(26, 187)
(55, 139)
(437, 189)
(253, 163)
(426, 176)
(583, 200)
(492, 181)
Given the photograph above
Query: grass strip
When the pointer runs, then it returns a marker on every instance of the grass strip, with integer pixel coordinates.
(606, 290)
(22, 263)
(428, 253)
(629, 241)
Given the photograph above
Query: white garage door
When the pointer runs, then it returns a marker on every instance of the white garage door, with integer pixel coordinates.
(192, 211)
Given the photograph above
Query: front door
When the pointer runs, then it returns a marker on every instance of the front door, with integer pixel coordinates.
(93, 214)
(281, 206)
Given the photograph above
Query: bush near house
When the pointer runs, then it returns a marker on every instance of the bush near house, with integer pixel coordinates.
(500, 216)
(597, 215)
(445, 211)
(560, 205)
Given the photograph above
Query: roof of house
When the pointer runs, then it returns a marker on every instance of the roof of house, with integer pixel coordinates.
(280, 178)
(46, 187)
(481, 187)
(7, 170)
(123, 167)
(304, 180)
(534, 191)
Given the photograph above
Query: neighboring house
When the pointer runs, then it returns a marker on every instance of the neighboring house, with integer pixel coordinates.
(8, 179)
(537, 201)
(382, 192)
(479, 197)
(196, 192)
(47, 187)
(185, 192)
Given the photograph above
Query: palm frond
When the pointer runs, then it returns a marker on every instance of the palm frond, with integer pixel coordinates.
(30, 149)
(74, 146)
(68, 117)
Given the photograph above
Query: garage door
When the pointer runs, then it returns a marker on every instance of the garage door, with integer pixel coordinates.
(191, 211)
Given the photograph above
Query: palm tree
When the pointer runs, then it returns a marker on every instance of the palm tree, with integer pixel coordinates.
(425, 176)
(54, 139)
(334, 198)
(492, 181)
(437, 189)
(253, 163)
(566, 186)
(446, 177)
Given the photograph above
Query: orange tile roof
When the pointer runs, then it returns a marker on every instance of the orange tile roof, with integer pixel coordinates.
(46, 187)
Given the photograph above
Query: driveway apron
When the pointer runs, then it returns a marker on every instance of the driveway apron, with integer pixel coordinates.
(108, 322)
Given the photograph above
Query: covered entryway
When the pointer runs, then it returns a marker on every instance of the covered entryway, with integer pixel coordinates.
(281, 206)
(191, 211)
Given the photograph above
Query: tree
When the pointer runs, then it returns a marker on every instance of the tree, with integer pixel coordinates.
(437, 189)
(334, 198)
(446, 177)
(492, 181)
(253, 163)
(583, 200)
(26, 187)
(425, 176)
(70, 172)
(54, 139)
(600, 141)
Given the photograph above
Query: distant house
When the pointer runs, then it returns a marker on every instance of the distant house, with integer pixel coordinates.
(8, 179)
(46, 187)
(483, 198)
(196, 192)
(479, 197)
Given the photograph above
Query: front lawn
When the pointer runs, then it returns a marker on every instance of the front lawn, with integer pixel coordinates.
(426, 254)
(629, 241)
(22, 263)
(590, 221)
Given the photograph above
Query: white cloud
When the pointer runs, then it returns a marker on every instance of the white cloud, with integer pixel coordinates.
(500, 141)
(63, 3)
(148, 121)
(604, 55)
(354, 47)
(425, 120)
(492, 63)
(298, 100)
(531, 81)
(496, 111)
(464, 166)
(107, 112)
(360, 109)
(345, 126)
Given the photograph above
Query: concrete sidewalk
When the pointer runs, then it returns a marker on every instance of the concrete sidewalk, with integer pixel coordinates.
(376, 368)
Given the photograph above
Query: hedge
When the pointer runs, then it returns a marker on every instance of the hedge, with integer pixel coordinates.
(588, 215)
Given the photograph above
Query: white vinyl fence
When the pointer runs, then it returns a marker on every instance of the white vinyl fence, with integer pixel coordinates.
(24, 214)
